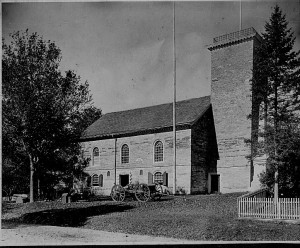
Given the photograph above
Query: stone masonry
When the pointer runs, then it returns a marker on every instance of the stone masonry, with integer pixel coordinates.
(232, 58)
(141, 159)
(204, 152)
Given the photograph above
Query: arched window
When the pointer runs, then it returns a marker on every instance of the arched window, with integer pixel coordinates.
(108, 174)
(125, 154)
(158, 151)
(101, 180)
(95, 180)
(96, 156)
(158, 178)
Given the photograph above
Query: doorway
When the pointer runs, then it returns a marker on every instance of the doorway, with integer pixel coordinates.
(215, 182)
(124, 180)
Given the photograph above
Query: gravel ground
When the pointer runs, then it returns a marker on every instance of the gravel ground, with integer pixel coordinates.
(52, 235)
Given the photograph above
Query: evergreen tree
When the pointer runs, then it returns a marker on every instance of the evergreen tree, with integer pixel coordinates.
(276, 86)
(44, 110)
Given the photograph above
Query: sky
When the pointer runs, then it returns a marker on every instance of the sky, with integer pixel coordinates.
(125, 49)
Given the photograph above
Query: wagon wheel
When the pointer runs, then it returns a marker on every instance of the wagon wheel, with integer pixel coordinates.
(142, 192)
(156, 195)
(117, 193)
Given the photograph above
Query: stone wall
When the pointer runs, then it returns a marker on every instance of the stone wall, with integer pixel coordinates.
(204, 152)
(231, 99)
(141, 159)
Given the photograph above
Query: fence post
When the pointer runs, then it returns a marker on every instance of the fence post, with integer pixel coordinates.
(272, 208)
(296, 208)
(278, 208)
(238, 205)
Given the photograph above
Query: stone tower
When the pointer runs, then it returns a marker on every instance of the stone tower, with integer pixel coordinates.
(232, 62)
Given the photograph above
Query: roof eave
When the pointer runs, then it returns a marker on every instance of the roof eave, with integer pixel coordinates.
(179, 126)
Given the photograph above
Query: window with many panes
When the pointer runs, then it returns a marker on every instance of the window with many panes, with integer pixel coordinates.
(158, 151)
(96, 157)
(125, 154)
(95, 180)
(158, 178)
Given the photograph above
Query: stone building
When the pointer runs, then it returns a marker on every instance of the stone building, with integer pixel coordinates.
(137, 145)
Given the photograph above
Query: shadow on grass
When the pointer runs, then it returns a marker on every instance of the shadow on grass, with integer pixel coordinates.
(71, 217)
(234, 229)
(164, 198)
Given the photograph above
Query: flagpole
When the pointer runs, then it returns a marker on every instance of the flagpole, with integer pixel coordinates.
(240, 15)
(174, 102)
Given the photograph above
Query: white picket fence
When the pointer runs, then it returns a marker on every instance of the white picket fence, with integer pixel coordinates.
(268, 208)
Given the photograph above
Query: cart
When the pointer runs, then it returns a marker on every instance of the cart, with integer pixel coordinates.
(141, 191)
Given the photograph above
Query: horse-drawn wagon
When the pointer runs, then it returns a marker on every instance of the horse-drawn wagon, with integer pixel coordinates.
(141, 191)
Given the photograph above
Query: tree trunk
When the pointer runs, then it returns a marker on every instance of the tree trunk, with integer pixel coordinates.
(38, 189)
(275, 141)
(31, 196)
(276, 185)
(265, 125)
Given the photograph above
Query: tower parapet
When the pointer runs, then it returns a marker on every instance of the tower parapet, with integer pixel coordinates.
(233, 38)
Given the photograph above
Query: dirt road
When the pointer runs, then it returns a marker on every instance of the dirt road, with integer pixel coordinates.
(53, 235)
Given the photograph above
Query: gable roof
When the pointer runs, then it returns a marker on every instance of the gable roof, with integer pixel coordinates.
(147, 119)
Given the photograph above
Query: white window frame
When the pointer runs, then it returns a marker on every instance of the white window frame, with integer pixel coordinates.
(122, 153)
(161, 181)
(97, 162)
(92, 180)
(163, 151)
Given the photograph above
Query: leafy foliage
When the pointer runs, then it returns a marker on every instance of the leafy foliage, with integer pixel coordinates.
(44, 110)
(276, 87)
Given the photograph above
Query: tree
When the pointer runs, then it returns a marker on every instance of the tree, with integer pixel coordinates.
(15, 173)
(276, 85)
(43, 110)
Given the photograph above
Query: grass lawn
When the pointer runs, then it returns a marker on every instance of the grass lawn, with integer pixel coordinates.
(200, 217)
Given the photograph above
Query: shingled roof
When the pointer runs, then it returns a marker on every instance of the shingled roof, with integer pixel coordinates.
(147, 119)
